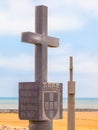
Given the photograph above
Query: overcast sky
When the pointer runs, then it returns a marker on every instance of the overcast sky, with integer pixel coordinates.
(74, 22)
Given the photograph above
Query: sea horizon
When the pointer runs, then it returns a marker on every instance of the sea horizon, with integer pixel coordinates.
(80, 103)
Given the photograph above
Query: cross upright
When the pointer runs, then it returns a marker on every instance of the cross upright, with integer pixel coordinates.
(71, 68)
(41, 41)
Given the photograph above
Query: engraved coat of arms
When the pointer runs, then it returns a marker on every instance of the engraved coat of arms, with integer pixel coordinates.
(51, 104)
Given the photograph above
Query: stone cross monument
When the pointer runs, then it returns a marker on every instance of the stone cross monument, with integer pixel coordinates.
(40, 101)
(71, 99)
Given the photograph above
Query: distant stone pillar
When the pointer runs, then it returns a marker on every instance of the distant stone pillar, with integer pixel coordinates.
(71, 99)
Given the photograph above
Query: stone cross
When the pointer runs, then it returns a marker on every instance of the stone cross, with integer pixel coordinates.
(40, 101)
(71, 99)
(41, 41)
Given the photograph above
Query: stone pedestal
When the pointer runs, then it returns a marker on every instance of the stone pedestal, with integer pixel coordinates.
(40, 125)
(40, 101)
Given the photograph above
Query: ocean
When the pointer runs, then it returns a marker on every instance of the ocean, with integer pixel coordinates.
(80, 103)
(83, 103)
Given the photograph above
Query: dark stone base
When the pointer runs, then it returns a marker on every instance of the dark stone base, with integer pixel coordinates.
(40, 125)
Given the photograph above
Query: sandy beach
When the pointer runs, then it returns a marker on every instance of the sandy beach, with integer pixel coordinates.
(84, 121)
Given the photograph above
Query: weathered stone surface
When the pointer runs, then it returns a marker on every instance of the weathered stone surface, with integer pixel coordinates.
(40, 101)
(36, 38)
(41, 41)
(71, 87)
(71, 112)
(71, 99)
(40, 125)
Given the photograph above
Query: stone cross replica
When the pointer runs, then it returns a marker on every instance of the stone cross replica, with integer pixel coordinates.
(40, 101)
(71, 99)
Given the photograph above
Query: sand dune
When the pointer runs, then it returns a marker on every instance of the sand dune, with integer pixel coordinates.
(84, 121)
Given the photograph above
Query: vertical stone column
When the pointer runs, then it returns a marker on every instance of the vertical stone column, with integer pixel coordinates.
(41, 50)
(41, 62)
(40, 125)
(71, 99)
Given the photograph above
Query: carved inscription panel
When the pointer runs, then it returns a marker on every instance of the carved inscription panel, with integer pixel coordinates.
(28, 101)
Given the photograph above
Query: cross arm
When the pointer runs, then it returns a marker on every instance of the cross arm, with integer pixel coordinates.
(52, 42)
(32, 38)
(36, 38)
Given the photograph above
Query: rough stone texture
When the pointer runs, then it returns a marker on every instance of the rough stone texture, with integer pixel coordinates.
(71, 99)
(40, 125)
(40, 101)
(71, 87)
(39, 39)
(42, 41)
(71, 112)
